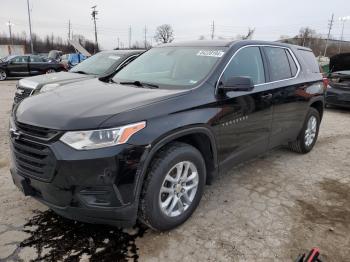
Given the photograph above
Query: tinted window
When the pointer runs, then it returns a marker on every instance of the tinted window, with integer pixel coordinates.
(99, 64)
(310, 61)
(279, 64)
(19, 59)
(293, 66)
(36, 59)
(247, 62)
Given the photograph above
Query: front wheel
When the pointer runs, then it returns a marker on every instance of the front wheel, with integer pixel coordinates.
(3, 75)
(308, 134)
(173, 187)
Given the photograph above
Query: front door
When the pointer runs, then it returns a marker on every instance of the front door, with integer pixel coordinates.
(246, 117)
(18, 66)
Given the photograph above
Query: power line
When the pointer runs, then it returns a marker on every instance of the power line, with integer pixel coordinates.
(94, 14)
(330, 25)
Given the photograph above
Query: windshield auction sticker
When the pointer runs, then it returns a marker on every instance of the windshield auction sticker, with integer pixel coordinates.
(213, 53)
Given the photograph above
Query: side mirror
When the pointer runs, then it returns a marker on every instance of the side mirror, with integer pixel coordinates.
(238, 83)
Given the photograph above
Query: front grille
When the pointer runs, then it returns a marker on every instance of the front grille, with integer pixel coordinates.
(21, 93)
(35, 132)
(31, 153)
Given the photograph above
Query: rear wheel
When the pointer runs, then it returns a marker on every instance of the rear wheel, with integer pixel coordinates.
(3, 75)
(308, 134)
(173, 187)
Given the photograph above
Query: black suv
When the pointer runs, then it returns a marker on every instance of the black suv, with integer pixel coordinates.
(145, 144)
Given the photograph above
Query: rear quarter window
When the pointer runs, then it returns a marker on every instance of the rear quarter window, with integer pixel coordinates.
(310, 61)
(280, 67)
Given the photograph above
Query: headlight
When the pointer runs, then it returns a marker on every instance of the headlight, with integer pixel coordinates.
(48, 87)
(335, 79)
(92, 139)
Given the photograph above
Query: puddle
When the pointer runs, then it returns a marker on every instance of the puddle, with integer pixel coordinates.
(58, 239)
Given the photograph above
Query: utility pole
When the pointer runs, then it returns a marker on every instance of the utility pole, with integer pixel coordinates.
(10, 31)
(342, 19)
(330, 25)
(30, 29)
(94, 14)
(69, 29)
(130, 37)
(212, 30)
(145, 37)
(118, 42)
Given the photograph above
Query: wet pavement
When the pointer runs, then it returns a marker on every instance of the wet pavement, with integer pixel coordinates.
(271, 208)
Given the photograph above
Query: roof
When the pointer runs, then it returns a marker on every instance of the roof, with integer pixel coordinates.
(226, 43)
(124, 51)
(218, 43)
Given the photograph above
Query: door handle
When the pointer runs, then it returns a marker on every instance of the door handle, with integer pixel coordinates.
(267, 96)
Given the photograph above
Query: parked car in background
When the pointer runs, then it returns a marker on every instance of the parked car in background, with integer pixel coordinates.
(27, 65)
(102, 64)
(145, 144)
(338, 92)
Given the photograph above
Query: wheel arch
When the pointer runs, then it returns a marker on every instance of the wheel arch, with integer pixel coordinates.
(319, 106)
(194, 136)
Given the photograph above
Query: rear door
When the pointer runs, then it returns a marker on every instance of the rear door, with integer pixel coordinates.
(286, 88)
(18, 66)
(38, 65)
(246, 117)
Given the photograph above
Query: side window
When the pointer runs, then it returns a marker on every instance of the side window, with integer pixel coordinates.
(20, 59)
(310, 61)
(36, 59)
(279, 64)
(247, 62)
(293, 66)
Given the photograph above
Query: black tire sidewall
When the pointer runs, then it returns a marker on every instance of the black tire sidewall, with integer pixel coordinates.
(304, 147)
(157, 219)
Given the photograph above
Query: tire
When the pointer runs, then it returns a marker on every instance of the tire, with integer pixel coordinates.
(166, 163)
(301, 144)
(50, 71)
(3, 75)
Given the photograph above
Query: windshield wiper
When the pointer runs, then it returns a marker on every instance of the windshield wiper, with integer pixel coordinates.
(139, 84)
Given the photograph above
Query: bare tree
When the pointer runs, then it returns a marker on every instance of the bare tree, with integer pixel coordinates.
(249, 35)
(164, 34)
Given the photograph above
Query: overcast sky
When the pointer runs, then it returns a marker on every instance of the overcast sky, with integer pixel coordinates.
(189, 18)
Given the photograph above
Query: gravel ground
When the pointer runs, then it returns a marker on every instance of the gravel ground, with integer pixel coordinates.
(270, 209)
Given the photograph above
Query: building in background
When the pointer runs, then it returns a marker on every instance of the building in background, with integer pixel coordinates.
(6, 50)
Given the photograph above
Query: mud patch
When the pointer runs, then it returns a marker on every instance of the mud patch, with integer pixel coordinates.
(59, 239)
(324, 221)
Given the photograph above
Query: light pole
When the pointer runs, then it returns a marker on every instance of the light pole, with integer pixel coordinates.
(30, 28)
(342, 19)
(9, 24)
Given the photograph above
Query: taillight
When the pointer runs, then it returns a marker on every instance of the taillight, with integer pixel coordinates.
(325, 82)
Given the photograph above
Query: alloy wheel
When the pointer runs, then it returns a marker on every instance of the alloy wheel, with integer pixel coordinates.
(2, 75)
(178, 189)
(50, 71)
(310, 132)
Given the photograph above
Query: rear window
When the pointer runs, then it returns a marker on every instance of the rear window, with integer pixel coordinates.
(310, 61)
(279, 63)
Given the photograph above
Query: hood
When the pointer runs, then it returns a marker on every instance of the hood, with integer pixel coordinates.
(85, 105)
(59, 78)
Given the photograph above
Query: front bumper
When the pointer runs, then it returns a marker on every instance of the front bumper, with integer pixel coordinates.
(95, 186)
(338, 97)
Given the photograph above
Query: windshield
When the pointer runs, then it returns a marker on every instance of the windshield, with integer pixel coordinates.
(98, 64)
(171, 66)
